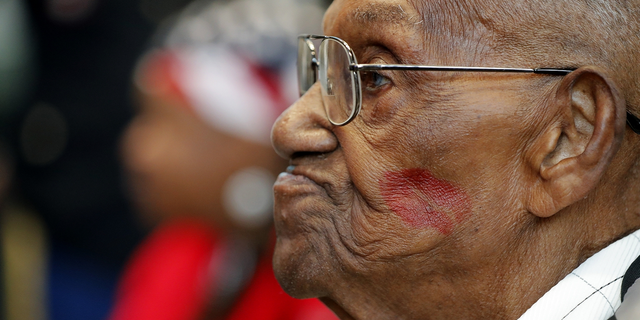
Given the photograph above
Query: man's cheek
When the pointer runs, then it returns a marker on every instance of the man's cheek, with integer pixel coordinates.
(423, 201)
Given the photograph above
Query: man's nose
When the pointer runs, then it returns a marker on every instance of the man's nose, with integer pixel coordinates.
(304, 127)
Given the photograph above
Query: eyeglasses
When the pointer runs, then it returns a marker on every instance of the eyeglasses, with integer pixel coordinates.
(339, 74)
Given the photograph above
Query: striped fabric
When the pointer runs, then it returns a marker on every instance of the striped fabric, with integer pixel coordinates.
(592, 291)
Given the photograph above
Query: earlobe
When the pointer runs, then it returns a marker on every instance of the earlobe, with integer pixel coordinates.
(579, 142)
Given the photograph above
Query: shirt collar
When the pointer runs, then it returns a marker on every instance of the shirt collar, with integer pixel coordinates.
(592, 291)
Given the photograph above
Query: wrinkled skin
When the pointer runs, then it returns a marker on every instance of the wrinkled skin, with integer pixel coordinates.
(340, 233)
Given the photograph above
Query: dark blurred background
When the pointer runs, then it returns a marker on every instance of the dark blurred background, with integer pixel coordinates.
(66, 225)
(61, 140)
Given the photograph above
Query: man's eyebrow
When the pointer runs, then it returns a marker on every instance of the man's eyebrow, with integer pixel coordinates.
(373, 13)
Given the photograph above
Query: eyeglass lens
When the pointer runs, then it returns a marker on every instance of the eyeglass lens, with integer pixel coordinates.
(337, 81)
(306, 69)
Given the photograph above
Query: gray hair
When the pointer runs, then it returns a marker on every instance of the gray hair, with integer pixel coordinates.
(549, 33)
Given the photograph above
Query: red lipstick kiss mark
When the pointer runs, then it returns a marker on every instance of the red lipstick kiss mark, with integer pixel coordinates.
(421, 200)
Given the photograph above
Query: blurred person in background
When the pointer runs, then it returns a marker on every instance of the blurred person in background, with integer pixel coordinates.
(65, 138)
(201, 164)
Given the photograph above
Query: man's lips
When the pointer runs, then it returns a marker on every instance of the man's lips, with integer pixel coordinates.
(294, 184)
(292, 193)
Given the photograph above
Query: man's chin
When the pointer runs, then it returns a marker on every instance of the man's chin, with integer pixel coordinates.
(296, 268)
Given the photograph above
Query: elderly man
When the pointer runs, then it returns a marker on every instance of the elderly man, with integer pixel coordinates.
(507, 188)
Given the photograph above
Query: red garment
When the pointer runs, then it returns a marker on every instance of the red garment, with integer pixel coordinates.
(169, 276)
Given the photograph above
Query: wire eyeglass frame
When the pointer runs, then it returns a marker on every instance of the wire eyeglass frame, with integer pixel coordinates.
(355, 68)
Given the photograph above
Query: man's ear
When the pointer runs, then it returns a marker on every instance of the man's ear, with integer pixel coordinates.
(577, 146)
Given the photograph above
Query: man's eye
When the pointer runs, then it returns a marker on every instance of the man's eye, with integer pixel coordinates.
(373, 81)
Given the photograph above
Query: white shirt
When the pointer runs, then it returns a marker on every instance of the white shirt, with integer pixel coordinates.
(592, 291)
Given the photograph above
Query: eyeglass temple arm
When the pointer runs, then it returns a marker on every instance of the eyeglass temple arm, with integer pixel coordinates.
(632, 121)
(369, 67)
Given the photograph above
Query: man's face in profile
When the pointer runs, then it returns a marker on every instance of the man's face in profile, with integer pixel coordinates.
(424, 180)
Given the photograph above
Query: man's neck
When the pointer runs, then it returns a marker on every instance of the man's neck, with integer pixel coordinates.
(499, 285)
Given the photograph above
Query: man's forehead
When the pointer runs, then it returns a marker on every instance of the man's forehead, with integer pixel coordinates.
(437, 33)
(373, 13)
(491, 32)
